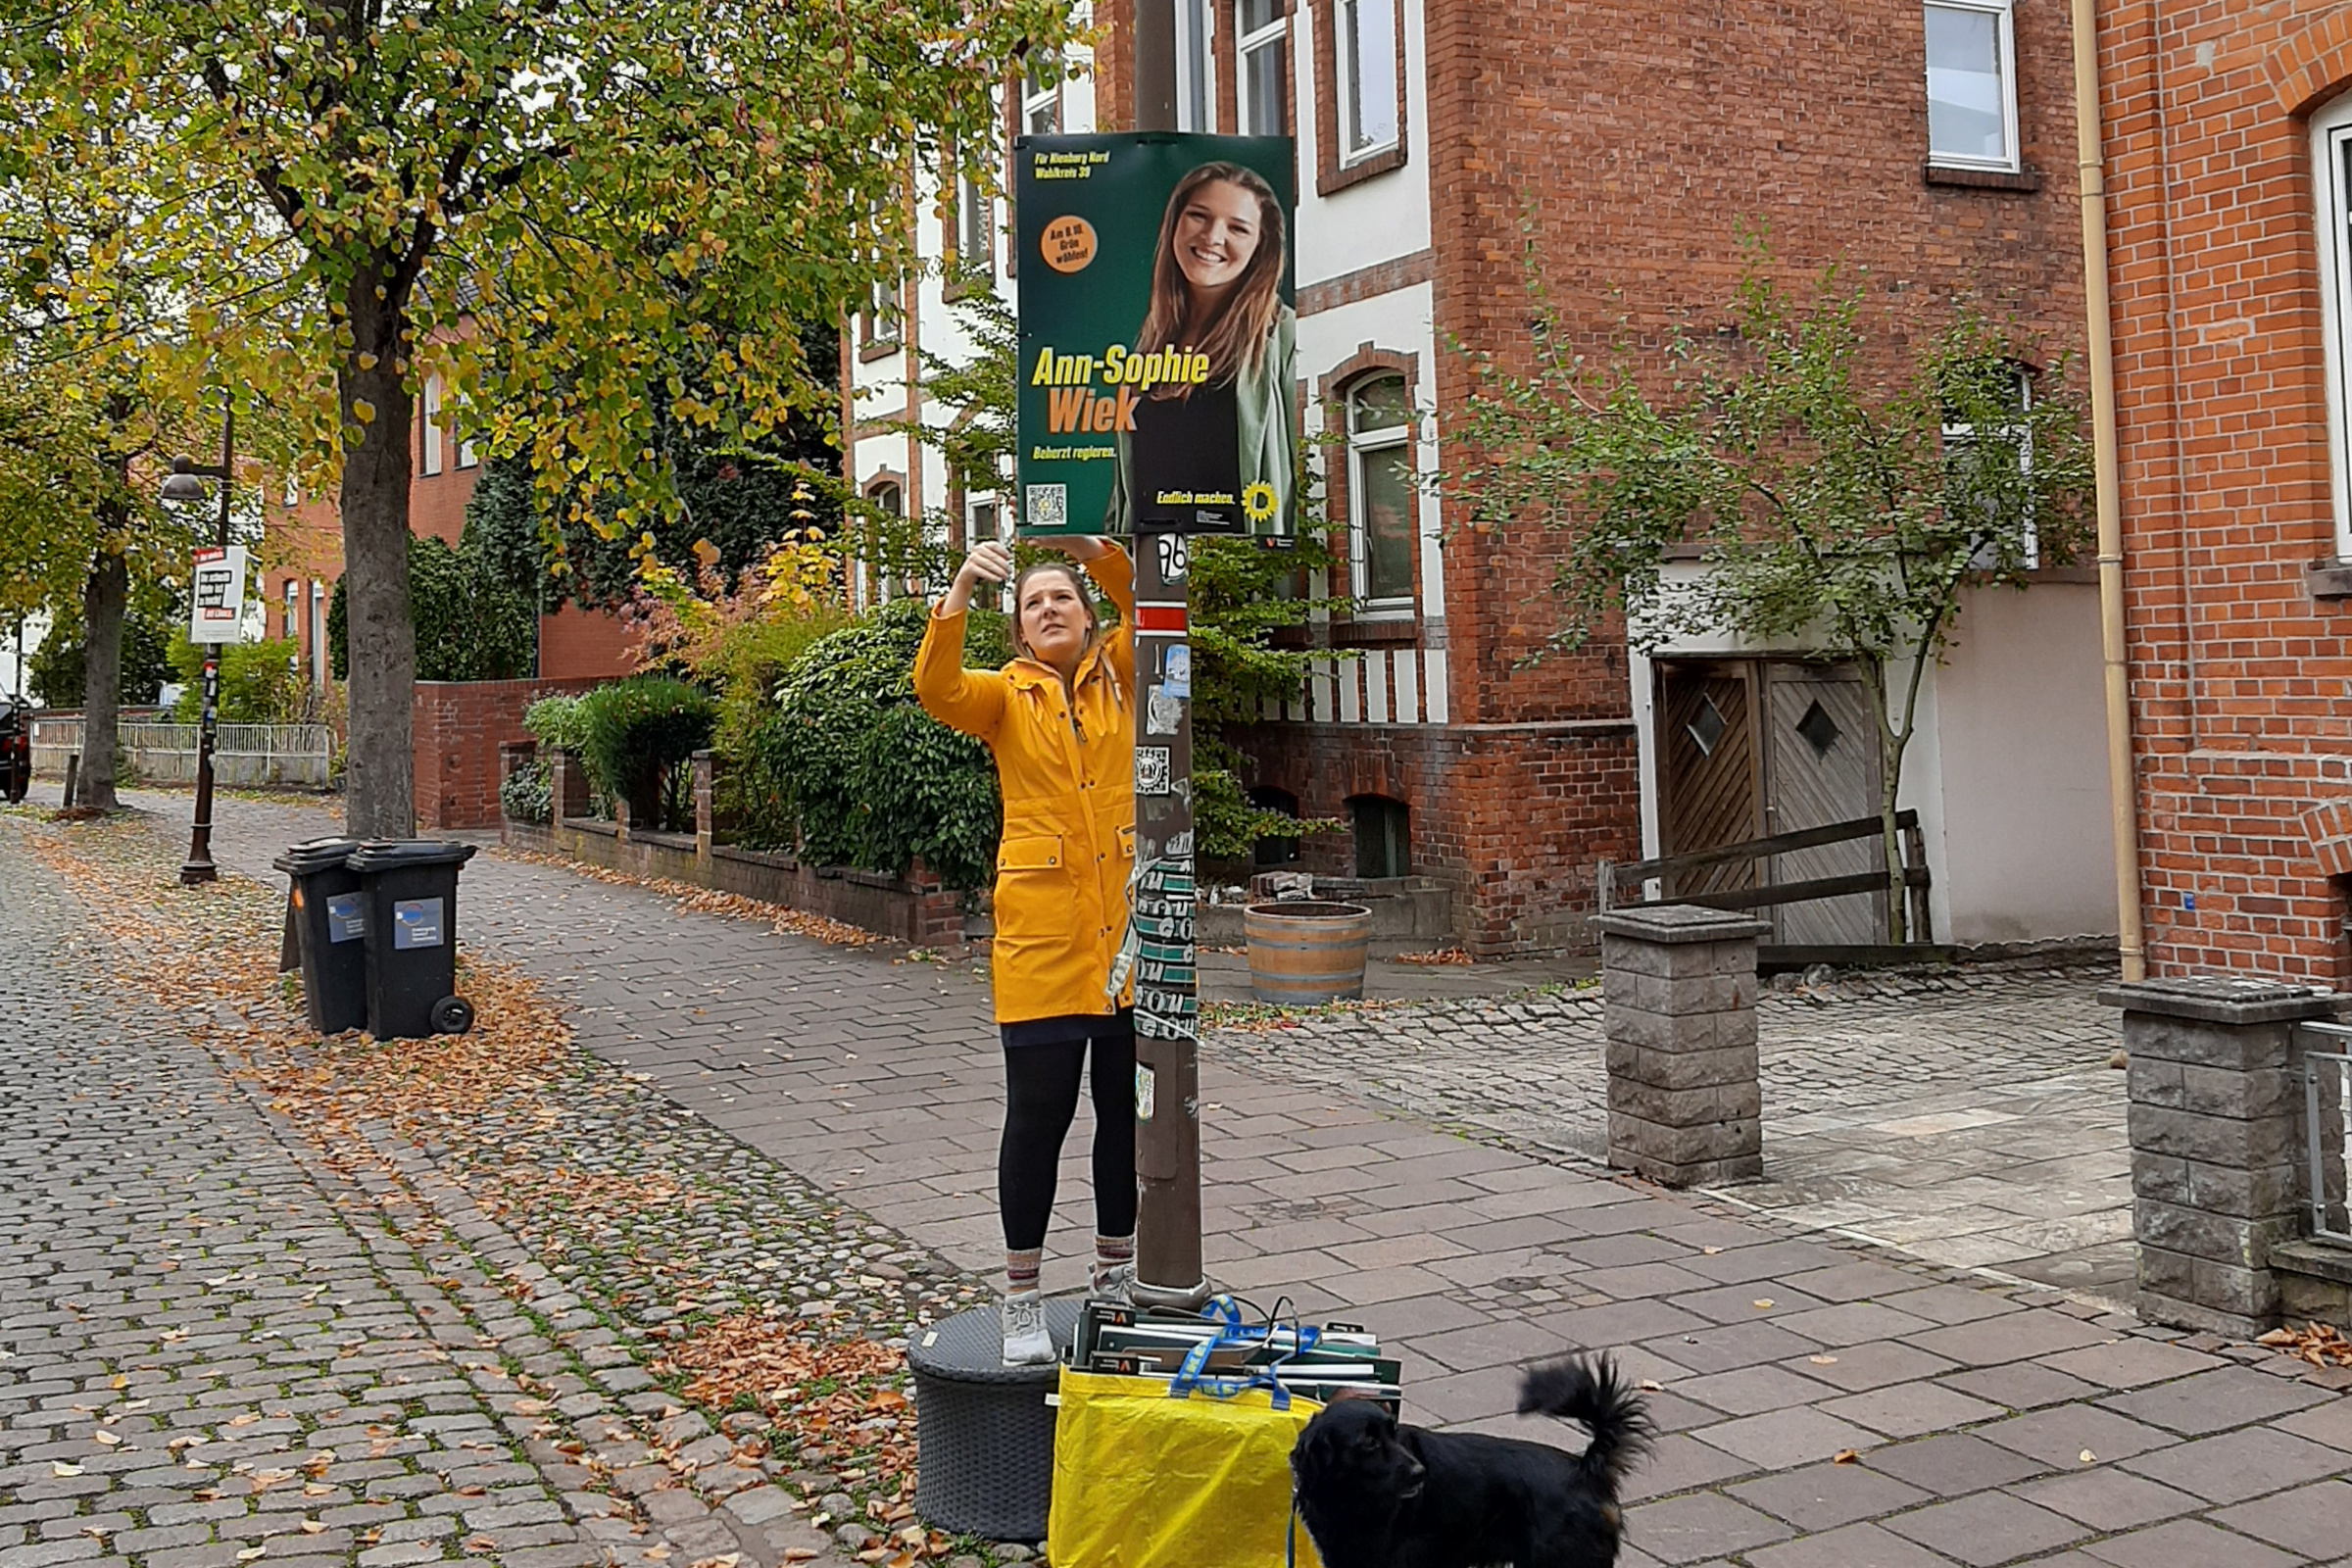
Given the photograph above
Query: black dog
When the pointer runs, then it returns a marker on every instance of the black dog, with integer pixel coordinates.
(1375, 1493)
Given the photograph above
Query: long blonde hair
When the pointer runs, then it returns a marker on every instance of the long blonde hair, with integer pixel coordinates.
(1235, 337)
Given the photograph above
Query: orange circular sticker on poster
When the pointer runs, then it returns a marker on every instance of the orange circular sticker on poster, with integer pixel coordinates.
(1068, 244)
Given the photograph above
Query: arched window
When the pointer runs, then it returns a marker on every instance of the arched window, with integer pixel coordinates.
(889, 497)
(1383, 836)
(1384, 523)
(2331, 157)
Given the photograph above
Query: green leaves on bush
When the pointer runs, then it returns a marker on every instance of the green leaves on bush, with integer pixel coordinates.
(261, 683)
(851, 772)
(470, 625)
(633, 731)
(528, 795)
(555, 722)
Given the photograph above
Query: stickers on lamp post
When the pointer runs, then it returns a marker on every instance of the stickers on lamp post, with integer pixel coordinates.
(217, 595)
(1158, 348)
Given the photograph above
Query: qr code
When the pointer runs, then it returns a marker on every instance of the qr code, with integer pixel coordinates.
(1047, 506)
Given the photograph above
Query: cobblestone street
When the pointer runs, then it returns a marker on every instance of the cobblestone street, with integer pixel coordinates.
(1824, 1402)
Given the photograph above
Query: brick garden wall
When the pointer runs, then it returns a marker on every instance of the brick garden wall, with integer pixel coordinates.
(459, 727)
(2241, 724)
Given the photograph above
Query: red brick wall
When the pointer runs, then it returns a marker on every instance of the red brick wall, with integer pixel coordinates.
(1512, 819)
(459, 727)
(2241, 722)
(576, 644)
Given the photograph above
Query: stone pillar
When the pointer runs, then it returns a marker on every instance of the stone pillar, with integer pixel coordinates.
(1678, 987)
(513, 756)
(567, 784)
(706, 776)
(2216, 1118)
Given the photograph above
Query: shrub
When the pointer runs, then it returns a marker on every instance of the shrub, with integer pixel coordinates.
(528, 793)
(261, 683)
(850, 770)
(470, 624)
(634, 731)
(555, 722)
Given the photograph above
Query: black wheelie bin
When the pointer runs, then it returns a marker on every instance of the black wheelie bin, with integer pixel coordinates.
(330, 922)
(410, 888)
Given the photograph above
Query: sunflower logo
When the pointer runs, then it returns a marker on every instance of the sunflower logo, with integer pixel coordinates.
(1257, 500)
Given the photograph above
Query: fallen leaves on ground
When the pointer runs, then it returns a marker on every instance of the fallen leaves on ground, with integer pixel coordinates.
(815, 1392)
(2321, 1345)
(1438, 958)
(777, 917)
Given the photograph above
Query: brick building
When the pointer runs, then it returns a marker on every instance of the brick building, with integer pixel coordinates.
(1633, 139)
(2227, 129)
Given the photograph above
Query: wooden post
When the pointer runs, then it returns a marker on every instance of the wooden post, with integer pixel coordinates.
(1167, 1000)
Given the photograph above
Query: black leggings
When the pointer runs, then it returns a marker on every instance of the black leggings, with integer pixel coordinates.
(1040, 1096)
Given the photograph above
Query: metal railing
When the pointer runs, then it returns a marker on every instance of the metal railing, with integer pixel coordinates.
(244, 756)
(2326, 1131)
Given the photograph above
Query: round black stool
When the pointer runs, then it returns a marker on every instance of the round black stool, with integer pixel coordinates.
(983, 1433)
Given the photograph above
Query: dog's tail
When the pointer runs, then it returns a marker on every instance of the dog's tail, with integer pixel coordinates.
(1592, 1391)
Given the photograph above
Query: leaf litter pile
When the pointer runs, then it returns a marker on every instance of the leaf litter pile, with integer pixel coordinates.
(710, 901)
(751, 1295)
(2319, 1345)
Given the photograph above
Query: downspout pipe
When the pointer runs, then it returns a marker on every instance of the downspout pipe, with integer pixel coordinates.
(2123, 793)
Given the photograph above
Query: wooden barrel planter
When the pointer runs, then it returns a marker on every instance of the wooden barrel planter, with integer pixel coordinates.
(1306, 950)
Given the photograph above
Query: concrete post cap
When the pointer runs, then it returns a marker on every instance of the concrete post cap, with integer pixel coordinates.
(2223, 999)
(1672, 923)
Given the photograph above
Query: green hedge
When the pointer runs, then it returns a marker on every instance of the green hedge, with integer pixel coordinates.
(261, 683)
(470, 624)
(637, 734)
(849, 769)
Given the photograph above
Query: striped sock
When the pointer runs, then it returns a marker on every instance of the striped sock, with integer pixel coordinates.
(1110, 1252)
(1021, 1270)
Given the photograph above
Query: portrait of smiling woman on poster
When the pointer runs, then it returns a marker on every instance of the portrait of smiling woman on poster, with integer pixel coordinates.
(1215, 451)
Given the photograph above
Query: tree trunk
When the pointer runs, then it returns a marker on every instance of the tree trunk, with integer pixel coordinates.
(1890, 784)
(103, 596)
(379, 783)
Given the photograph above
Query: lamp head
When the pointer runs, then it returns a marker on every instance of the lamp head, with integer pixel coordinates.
(183, 485)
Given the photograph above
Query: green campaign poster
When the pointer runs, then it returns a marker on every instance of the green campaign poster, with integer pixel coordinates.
(1159, 359)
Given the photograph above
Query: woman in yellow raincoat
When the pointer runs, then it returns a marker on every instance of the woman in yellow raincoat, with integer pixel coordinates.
(1058, 719)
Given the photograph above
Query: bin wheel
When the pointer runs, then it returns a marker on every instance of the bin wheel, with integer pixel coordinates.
(452, 1015)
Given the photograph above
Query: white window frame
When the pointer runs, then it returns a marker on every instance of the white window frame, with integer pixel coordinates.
(468, 456)
(1195, 66)
(2330, 150)
(1360, 446)
(2002, 12)
(1344, 12)
(975, 225)
(429, 411)
(1958, 433)
(1276, 35)
(293, 597)
(1036, 100)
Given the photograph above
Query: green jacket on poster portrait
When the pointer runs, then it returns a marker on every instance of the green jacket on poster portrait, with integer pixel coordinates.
(1269, 445)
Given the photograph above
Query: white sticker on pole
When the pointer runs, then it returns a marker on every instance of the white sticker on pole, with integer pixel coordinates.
(1146, 1099)
(217, 595)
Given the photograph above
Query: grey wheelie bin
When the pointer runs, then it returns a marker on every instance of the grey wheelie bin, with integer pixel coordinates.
(411, 890)
(330, 922)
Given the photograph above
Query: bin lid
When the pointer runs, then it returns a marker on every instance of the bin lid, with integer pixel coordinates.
(315, 854)
(400, 854)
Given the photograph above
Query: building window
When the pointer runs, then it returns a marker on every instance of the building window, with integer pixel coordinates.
(1196, 85)
(1383, 836)
(975, 225)
(1367, 61)
(1261, 33)
(2331, 152)
(878, 321)
(430, 414)
(1275, 850)
(467, 456)
(1972, 85)
(293, 600)
(889, 498)
(982, 525)
(1383, 511)
(1967, 444)
(1041, 96)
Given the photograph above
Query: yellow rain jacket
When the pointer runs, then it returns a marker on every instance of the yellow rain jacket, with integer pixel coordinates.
(1066, 767)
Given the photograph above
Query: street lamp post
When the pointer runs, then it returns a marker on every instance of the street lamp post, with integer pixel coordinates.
(187, 484)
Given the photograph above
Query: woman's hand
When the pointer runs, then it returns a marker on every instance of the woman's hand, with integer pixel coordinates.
(989, 561)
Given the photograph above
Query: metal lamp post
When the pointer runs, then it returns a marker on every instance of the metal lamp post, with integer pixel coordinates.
(187, 483)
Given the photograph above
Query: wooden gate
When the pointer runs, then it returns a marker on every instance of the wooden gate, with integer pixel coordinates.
(1707, 774)
(1821, 765)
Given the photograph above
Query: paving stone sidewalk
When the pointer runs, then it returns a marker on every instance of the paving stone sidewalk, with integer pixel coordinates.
(1823, 1404)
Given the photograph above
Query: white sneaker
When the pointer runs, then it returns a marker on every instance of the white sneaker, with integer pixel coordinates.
(1114, 1286)
(1022, 1318)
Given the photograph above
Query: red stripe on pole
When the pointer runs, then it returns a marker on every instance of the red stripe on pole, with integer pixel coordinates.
(1159, 617)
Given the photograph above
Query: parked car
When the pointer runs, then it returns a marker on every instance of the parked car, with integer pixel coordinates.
(16, 748)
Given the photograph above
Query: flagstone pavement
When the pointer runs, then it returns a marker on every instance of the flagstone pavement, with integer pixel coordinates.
(1822, 1400)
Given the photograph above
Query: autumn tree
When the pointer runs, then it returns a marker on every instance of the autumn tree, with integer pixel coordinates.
(549, 201)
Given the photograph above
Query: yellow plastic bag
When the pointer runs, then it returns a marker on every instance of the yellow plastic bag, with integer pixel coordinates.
(1142, 1479)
